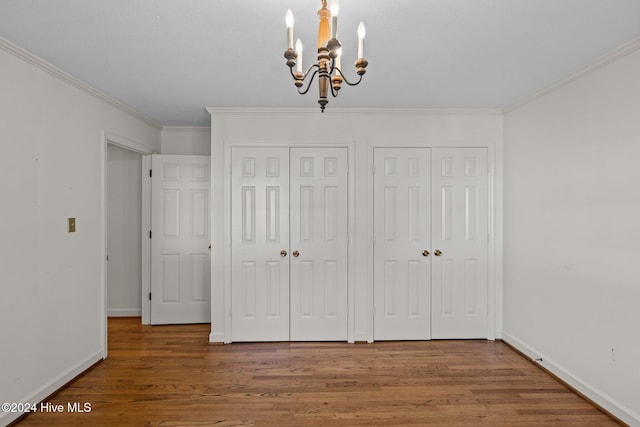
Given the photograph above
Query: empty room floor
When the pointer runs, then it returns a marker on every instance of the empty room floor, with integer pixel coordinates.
(171, 376)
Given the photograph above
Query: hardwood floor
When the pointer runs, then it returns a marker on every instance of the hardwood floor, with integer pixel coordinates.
(171, 376)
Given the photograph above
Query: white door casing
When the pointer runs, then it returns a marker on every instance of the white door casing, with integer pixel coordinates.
(180, 259)
(260, 232)
(402, 268)
(460, 233)
(319, 243)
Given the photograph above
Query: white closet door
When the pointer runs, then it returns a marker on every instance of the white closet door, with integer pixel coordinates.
(459, 232)
(401, 234)
(260, 231)
(319, 244)
(180, 260)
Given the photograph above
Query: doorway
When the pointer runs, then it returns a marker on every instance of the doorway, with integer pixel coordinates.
(124, 228)
(112, 140)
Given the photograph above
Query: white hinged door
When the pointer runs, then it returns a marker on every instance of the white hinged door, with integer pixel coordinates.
(459, 234)
(319, 244)
(180, 258)
(402, 266)
(260, 244)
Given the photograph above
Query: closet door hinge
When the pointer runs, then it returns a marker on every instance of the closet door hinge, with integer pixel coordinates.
(150, 173)
(149, 233)
(149, 296)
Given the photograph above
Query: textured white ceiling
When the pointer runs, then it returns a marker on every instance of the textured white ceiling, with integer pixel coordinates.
(171, 59)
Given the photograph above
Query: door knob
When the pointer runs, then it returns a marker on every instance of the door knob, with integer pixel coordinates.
(295, 254)
(437, 252)
(425, 253)
(283, 253)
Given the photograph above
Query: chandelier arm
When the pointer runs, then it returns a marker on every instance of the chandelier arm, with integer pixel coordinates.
(346, 80)
(304, 77)
(310, 80)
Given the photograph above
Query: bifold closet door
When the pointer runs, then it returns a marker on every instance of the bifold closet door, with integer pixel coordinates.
(289, 243)
(260, 244)
(402, 267)
(319, 244)
(460, 234)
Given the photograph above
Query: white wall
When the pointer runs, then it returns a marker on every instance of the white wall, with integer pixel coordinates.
(186, 140)
(52, 304)
(124, 231)
(366, 129)
(571, 233)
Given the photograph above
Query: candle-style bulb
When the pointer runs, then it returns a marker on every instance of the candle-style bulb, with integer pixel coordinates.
(361, 31)
(289, 21)
(299, 52)
(334, 7)
(361, 34)
(289, 18)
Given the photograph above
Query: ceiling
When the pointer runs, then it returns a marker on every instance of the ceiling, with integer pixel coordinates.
(171, 59)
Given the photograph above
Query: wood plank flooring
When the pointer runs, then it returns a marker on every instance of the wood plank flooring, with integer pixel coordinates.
(171, 376)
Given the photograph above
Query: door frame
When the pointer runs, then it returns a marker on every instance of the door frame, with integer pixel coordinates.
(223, 334)
(110, 138)
(494, 226)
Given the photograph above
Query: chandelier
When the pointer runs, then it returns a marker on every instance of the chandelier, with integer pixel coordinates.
(328, 65)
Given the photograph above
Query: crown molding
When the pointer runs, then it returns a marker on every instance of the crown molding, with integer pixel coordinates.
(343, 111)
(187, 128)
(603, 61)
(54, 71)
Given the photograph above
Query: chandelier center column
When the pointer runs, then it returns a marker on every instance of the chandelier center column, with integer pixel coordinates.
(324, 33)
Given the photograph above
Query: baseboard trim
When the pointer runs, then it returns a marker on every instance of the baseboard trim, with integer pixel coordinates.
(52, 387)
(216, 337)
(124, 312)
(604, 402)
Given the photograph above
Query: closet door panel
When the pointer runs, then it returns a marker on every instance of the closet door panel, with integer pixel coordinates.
(259, 234)
(319, 256)
(402, 267)
(460, 234)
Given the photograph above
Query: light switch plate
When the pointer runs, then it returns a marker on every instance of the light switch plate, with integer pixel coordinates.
(71, 225)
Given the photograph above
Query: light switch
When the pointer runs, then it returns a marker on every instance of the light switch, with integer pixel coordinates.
(71, 225)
